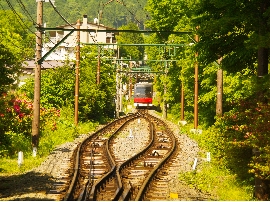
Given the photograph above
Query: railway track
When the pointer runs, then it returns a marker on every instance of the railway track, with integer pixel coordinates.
(93, 161)
(103, 171)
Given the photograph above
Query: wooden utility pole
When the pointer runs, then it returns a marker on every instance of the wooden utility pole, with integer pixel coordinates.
(36, 104)
(165, 92)
(182, 102)
(130, 81)
(196, 89)
(117, 86)
(117, 93)
(219, 91)
(98, 67)
(77, 74)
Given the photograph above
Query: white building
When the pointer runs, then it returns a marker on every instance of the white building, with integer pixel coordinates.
(66, 50)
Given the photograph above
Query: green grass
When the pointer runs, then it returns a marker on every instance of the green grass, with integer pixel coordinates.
(213, 177)
(209, 178)
(10, 166)
(49, 140)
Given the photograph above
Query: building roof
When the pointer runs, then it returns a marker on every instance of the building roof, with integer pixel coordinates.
(88, 23)
(47, 64)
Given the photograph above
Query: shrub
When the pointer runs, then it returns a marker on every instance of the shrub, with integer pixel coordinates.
(16, 112)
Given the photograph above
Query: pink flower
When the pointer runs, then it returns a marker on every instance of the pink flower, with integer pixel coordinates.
(16, 108)
(21, 115)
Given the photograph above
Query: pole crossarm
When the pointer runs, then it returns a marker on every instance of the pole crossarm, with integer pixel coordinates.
(56, 45)
(140, 60)
(114, 30)
(141, 72)
(143, 69)
(119, 44)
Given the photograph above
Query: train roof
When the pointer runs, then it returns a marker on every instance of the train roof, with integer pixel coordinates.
(144, 83)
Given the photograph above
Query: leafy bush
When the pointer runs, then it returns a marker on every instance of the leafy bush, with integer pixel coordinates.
(57, 87)
(66, 131)
(16, 122)
(246, 128)
(96, 102)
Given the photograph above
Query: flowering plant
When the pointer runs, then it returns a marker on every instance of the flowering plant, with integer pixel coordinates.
(246, 128)
(16, 115)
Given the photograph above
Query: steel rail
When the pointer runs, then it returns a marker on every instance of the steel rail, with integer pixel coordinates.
(112, 173)
(147, 181)
(74, 180)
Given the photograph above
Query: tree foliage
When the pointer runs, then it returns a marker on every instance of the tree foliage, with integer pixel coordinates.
(15, 47)
(135, 52)
(96, 102)
(57, 87)
(245, 128)
(112, 13)
(232, 30)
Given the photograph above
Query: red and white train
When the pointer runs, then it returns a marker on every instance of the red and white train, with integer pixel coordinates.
(143, 95)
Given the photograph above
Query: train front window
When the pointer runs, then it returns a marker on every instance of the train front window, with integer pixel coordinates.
(143, 91)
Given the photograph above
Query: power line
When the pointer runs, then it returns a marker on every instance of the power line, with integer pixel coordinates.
(131, 13)
(26, 11)
(20, 21)
(55, 9)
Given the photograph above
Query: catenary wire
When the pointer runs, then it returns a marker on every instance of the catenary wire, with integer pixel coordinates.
(26, 11)
(21, 21)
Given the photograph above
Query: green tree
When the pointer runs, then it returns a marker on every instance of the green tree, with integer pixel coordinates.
(236, 80)
(57, 87)
(114, 13)
(236, 31)
(96, 102)
(135, 52)
(15, 47)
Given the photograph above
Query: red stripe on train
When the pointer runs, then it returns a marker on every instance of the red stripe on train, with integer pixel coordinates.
(142, 100)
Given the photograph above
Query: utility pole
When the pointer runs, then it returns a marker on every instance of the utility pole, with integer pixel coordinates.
(77, 74)
(117, 93)
(36, 104)
(165, 92)
(120, 92)
(130, 81)
(219, 90)
(196, 87)
(117, 86)
(182, 101)
(98, 67)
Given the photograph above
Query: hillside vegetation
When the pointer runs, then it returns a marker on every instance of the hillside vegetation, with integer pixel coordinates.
(111, 13)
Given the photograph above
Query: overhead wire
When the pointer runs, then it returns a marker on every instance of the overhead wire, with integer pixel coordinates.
(134, 15)
(55, 9)
(12, 8)
(26, 11)
(21, 21)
